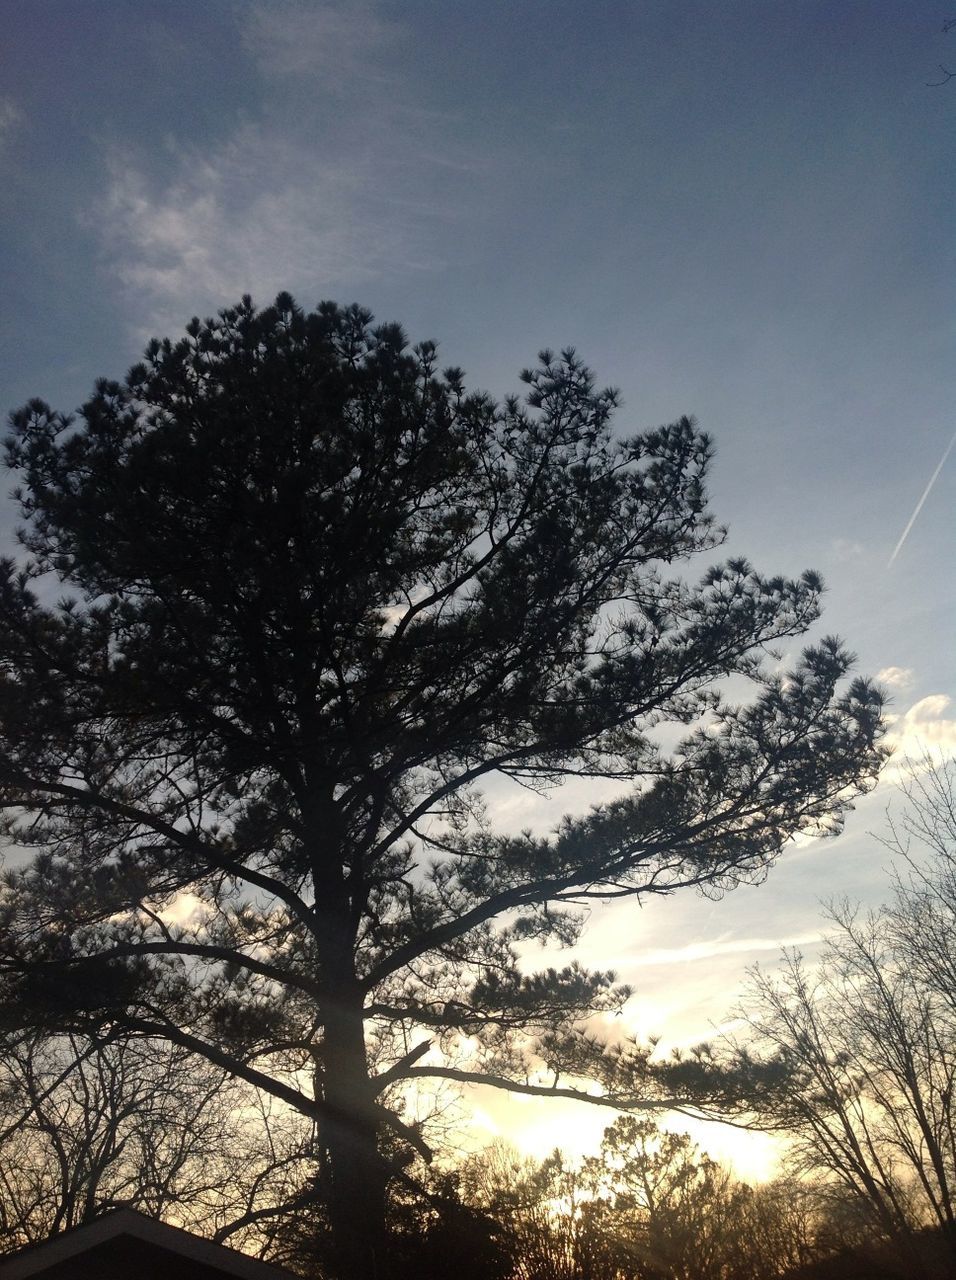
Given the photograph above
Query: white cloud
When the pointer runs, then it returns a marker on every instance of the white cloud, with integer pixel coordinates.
(896, 677)
(924, 730)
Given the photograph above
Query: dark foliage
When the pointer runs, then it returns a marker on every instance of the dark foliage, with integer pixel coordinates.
(313, 595)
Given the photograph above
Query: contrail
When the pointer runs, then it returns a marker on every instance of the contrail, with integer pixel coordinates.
(919, 506)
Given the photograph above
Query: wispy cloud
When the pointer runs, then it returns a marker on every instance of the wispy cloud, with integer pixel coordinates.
(694, 952)
(847, 549)
(256, 216)
(10, 117)
(919, 506)
(335, 43)
(312, 198)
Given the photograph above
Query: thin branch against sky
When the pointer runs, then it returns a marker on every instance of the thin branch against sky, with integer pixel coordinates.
(919, 506)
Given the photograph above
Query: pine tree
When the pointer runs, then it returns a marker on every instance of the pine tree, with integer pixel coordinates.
(314, 594)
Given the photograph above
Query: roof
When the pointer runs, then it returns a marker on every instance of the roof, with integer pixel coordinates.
(126, 1243)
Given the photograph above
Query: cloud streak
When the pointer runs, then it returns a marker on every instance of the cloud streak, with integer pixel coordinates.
(695, 952)
(919, 506)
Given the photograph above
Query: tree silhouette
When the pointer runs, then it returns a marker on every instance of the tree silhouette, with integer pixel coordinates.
(865, 1041)
(649, 1205)
(314, 594)
(89, 1126)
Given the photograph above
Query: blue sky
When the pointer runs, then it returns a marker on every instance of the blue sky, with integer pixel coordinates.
(742, 211)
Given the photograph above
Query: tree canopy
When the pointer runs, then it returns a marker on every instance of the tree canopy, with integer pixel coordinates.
(312, 595)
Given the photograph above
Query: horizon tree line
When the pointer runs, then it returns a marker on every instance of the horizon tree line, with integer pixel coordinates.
(861, 1044)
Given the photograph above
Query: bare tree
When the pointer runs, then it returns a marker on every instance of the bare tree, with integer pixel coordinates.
(866, 1040)
(552, 1213)
(675, 1212)
(90, 1126)
(649, 1206)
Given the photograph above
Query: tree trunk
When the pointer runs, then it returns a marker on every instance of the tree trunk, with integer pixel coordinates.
(356, 1175)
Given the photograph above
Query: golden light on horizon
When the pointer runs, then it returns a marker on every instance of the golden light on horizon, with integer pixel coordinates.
(536, 1126)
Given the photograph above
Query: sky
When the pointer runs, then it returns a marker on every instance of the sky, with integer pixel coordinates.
(740, 211)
